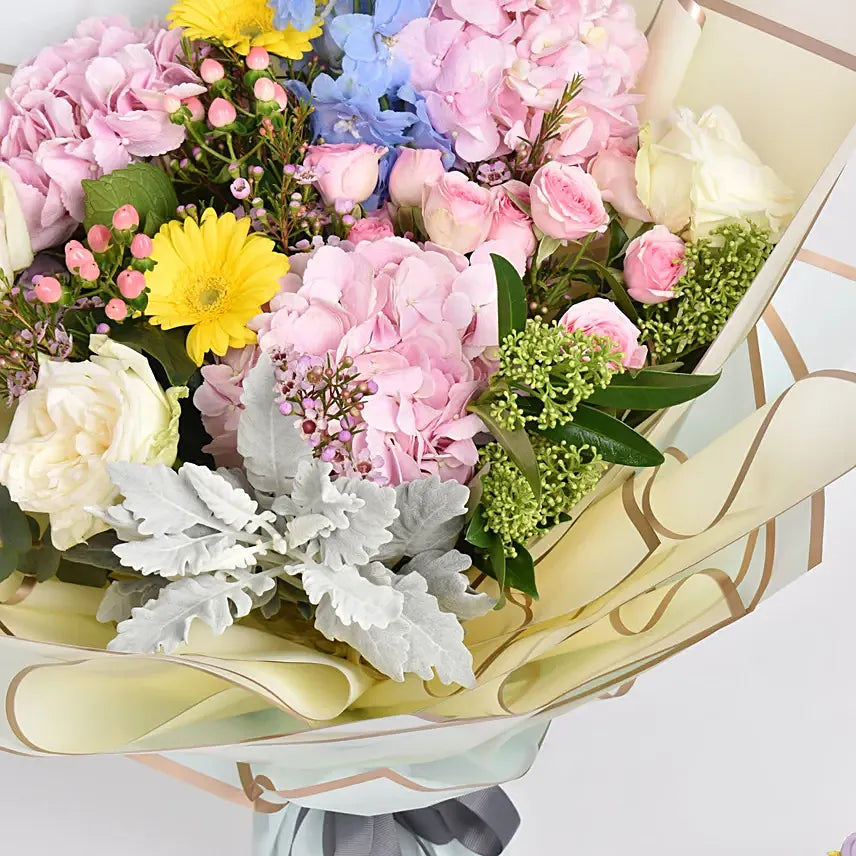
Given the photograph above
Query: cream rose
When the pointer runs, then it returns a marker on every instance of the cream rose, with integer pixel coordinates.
(16, 251)
(698, 175)
(79, 418)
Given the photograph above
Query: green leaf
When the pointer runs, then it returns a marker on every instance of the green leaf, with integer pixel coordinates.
(81, 575)
(614, 279)
(546, 247)
(15, 536)
(97, 552)
(168, 347)
(520, 572)
(498, 568)
(42, 561)
(511, 296)
(476, 533)
(516, 443)
(525, 207)
(617, 240)
(617, 443)
(652, 390)
(142, 185)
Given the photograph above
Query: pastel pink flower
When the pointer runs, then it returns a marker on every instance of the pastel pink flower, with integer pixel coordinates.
(218, 400)
(84, 108)
(511, 227)
(371, 229)
(601, 317)
(653, 265)
(457, 212)
(346, 171)
(566, 202)
(614, 170)
(412, 171)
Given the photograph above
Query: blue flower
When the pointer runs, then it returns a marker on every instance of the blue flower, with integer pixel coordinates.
(422, 133)
(299, 14)
(346, 112)
(367, 38)
(381, 191)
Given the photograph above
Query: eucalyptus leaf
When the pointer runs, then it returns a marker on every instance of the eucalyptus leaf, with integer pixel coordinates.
(168, 347)
(42, 561)
(96, 552)
(616, 442)
(142, 185)
(510, 295)
(81, 575)
(651, 390)
(15, 536)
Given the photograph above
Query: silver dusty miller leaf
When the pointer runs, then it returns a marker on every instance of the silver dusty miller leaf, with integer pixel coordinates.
(444, 575)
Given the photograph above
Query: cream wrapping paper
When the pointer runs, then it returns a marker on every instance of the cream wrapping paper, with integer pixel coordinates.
(658, 561)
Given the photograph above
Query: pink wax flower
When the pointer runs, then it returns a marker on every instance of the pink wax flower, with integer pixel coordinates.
(218, 399)
(418, 322)
(653, 265)
(84, 108)
(566, 202)
(345, 171)
(458, 213)
(511, 227)
(601, 317)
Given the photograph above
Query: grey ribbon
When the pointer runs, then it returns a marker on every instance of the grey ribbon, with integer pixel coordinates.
(484, 822)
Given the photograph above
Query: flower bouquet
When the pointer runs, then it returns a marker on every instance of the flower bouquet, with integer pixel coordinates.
(342, 345)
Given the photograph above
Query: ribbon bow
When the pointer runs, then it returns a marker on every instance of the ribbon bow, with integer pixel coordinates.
(484, 822)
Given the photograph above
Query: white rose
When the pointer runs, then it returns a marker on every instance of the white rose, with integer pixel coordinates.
(16, 251)
(78, 418)
(698, 175)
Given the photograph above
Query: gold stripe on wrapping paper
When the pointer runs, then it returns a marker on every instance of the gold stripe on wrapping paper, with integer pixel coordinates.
(693, 10)
(826, 263)
(21, 594)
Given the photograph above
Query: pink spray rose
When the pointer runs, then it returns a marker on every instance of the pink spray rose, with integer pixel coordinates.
(418, 322)
(601, 317)
(84, 108)
(371, 229)
(566, 202)
(346, 171)
(614, 170)
(653, 265)
(511, 227)
(412, 171)
(457, 212)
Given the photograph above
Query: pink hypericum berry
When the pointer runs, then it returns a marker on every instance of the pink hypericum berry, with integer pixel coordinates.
(142, 246)
(116, 310)
(125, 218)
(197, 109)
(131, 284)
(211, 71)
(280, 96)
(258, 59)
(99, 238)
(264, 89)
(48, 289)
(89, 271)
(221, 113)
(171, 104)
(76, 255)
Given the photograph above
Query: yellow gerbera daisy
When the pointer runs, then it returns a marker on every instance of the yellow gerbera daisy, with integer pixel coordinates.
(240, 24)
(213, 276)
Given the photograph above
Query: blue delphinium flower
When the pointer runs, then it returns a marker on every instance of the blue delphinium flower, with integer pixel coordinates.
(345, 112)
(299, 14)
(381, 191)
(422, 133)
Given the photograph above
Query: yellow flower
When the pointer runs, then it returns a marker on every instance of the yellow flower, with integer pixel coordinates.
(213, 276)
(240, 24)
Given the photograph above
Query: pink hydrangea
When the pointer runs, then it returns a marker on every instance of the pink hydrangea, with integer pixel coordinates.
(218, 399)
(87, 107)
(421, 322)
(491, 69)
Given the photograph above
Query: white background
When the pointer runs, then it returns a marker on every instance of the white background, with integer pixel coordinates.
(743, 745)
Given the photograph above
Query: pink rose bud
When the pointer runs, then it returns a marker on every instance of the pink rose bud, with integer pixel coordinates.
(48, 290)
(614, 170)
(221, 113)
(89, 271)
(345, 171)
(511, 227)
(601, 317)
(116, 310)
(653, 265)
(264, 89)
(458, 213)
(171, 104)
(99, 238)
(258, 59)
(371, 229)
(126, 218)
(412, 171)
(197, 109)
(76, 255)
(131, 284)
(211, 71)
(142, 246)
(566, 202)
